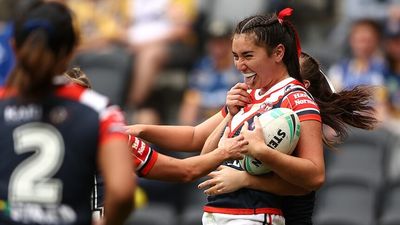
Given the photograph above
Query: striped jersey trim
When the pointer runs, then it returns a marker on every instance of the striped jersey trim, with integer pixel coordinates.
(240, 211)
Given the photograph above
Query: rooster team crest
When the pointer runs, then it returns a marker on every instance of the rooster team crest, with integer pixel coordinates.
(266, 106)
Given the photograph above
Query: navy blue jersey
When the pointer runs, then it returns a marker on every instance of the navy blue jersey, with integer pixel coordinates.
(49, 151)
(298, 210)
(144, 158)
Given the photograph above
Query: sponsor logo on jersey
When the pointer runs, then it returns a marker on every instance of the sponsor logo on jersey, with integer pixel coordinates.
(18, 114)
(30, 212)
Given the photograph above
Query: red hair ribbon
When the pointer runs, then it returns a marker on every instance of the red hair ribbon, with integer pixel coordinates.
(281, 16)
(284, 13)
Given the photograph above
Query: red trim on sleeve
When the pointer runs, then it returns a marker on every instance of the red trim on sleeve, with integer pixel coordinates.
(305, 107)
(150, 164)
(224, 111)
(112, 123)
(144, 157)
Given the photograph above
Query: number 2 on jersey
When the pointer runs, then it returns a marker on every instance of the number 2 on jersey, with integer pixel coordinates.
(31, 180)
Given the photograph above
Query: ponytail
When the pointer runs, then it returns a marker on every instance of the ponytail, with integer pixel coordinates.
(44, 37)
(342, 109)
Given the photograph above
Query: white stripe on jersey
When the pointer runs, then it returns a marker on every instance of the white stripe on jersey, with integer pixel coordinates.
(94, 100)
(277, 86)
(306, 109)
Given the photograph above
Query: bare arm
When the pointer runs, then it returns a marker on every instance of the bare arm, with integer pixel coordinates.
(305, 169)
(226, 180)
(177, 138)
(189, 110)
(212, 140)
(186, 170)
(190, 138)
(116, 166)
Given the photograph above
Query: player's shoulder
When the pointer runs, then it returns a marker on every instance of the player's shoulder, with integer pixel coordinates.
(83, 95)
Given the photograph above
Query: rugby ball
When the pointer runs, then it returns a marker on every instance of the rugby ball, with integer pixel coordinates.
(281, 128)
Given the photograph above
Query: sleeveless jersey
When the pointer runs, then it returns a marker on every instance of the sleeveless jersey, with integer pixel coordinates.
(288, 93)
(49, 150)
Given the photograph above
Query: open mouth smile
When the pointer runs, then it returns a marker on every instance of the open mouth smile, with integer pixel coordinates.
(249, 78)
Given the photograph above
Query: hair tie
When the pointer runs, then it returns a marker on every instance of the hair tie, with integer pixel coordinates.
(328, 81)
(281, 17)
(35, 24)
(284, 13)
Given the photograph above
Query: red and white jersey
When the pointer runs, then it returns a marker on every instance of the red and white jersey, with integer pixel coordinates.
(144, 157)
(288, 93)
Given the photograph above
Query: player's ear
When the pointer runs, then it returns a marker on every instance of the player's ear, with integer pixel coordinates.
(279, 52)
(306, 83)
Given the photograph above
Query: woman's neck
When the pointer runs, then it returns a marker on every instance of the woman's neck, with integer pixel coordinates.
(282, 77)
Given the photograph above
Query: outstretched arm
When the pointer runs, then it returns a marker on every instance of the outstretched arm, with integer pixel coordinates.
(190, 138)
(177, 138)
(185, 170)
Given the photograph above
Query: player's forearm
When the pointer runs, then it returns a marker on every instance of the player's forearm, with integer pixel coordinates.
(212, 141)
(185, 170)
(295, 170)
(202, 165)
(117, 209)
(176, 138)
(273, 184)
(114, 159)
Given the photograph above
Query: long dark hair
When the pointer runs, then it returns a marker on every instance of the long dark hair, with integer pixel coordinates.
(269, 32)
(44, 38)
(338, 109)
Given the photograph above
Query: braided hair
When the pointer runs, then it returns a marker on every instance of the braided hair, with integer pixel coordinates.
(271, 30)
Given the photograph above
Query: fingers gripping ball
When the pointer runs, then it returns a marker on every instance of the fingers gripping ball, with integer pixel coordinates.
(281, 128)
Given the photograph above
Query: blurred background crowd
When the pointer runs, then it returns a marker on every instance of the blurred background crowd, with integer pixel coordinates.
(170, 62)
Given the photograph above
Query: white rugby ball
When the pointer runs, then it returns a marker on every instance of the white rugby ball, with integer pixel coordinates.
(281, 127)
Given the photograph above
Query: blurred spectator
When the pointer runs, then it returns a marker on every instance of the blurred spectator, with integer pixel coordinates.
(392, 73)
(6, 52)
(7, 11)
(102, 23)
(213, 75)
(160, 34)
(102, 52)
(365, 65)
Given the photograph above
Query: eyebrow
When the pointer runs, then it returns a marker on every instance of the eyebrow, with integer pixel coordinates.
(243, 53)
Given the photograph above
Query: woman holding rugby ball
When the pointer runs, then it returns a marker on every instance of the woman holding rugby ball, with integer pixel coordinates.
(297, 206)
(266, 50)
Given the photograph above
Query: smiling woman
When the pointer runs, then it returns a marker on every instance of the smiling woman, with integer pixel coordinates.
(265, 50)
(256, 65)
